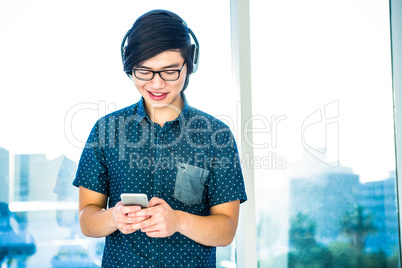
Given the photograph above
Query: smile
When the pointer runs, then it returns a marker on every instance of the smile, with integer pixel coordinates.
(157, 94)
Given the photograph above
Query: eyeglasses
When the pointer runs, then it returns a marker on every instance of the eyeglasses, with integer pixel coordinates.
(166, 75)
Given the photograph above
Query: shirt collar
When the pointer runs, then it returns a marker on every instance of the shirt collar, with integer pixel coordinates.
(142, 113)
(185, 110)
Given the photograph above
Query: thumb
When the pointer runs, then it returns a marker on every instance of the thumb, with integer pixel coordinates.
(155, 201)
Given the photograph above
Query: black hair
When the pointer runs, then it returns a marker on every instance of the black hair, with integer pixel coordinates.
(154, 33)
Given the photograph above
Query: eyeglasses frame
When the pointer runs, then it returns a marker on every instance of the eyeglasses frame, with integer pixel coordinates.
(159, 73)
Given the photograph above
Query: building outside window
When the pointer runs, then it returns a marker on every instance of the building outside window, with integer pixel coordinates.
(322, 98)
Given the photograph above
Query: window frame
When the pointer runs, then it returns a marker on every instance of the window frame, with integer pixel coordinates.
(246, 239)
(395, 9)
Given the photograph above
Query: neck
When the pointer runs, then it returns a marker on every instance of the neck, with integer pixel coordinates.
(161, 115)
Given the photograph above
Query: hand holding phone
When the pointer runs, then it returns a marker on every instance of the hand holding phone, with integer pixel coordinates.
(129, 199)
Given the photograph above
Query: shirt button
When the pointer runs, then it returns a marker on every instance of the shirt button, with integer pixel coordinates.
(156, 262)
(157, 195)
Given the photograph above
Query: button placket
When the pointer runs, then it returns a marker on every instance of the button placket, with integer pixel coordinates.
(157, 191)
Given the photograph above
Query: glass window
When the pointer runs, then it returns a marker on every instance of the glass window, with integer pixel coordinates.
(396, 39)
(61, 71)
(324, 151)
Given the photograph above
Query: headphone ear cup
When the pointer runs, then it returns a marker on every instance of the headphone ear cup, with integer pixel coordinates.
(123, 54)
(123, 51)
(195, 52)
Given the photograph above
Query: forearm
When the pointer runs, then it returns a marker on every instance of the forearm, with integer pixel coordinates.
(215, 230)
(96, 221)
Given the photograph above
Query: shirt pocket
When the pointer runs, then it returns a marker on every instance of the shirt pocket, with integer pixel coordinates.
(190, 184)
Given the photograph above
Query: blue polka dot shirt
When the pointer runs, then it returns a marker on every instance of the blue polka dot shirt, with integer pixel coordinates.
(191, 162)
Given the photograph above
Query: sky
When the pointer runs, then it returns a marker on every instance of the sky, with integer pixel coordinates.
(326, 66)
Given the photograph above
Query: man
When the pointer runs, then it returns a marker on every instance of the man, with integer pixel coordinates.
(184, 160)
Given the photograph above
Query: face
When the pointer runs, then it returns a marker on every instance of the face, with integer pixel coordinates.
(157, 93)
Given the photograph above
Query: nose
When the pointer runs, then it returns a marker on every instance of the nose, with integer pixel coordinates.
(157, 81)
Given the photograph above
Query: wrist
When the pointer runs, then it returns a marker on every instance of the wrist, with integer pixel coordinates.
(113, 223)
(181, 221)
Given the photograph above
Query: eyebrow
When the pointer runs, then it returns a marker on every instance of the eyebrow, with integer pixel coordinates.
(175, 65)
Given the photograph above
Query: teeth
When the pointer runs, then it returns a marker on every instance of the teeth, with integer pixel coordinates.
(157, 94)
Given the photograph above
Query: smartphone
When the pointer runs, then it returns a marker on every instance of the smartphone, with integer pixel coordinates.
(134, 200)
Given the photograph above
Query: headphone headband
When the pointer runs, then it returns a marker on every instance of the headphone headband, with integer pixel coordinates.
(195, 46)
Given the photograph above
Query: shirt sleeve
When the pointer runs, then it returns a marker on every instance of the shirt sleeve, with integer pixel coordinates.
(92, 170)
(226, 181)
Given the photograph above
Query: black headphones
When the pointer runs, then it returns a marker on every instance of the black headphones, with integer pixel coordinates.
(195, 48)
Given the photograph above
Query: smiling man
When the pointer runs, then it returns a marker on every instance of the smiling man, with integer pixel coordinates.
(183, 159)
(161, 90)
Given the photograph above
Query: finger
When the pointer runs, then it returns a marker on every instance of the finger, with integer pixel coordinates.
(150, 229)
(156, 234)
(128, 229)
(146, 212)
(121, 209)
(136, 219)
(146, 223)
(131, 225)
(156, 201)
(123, 219)
(130, 209)
(118, 207)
